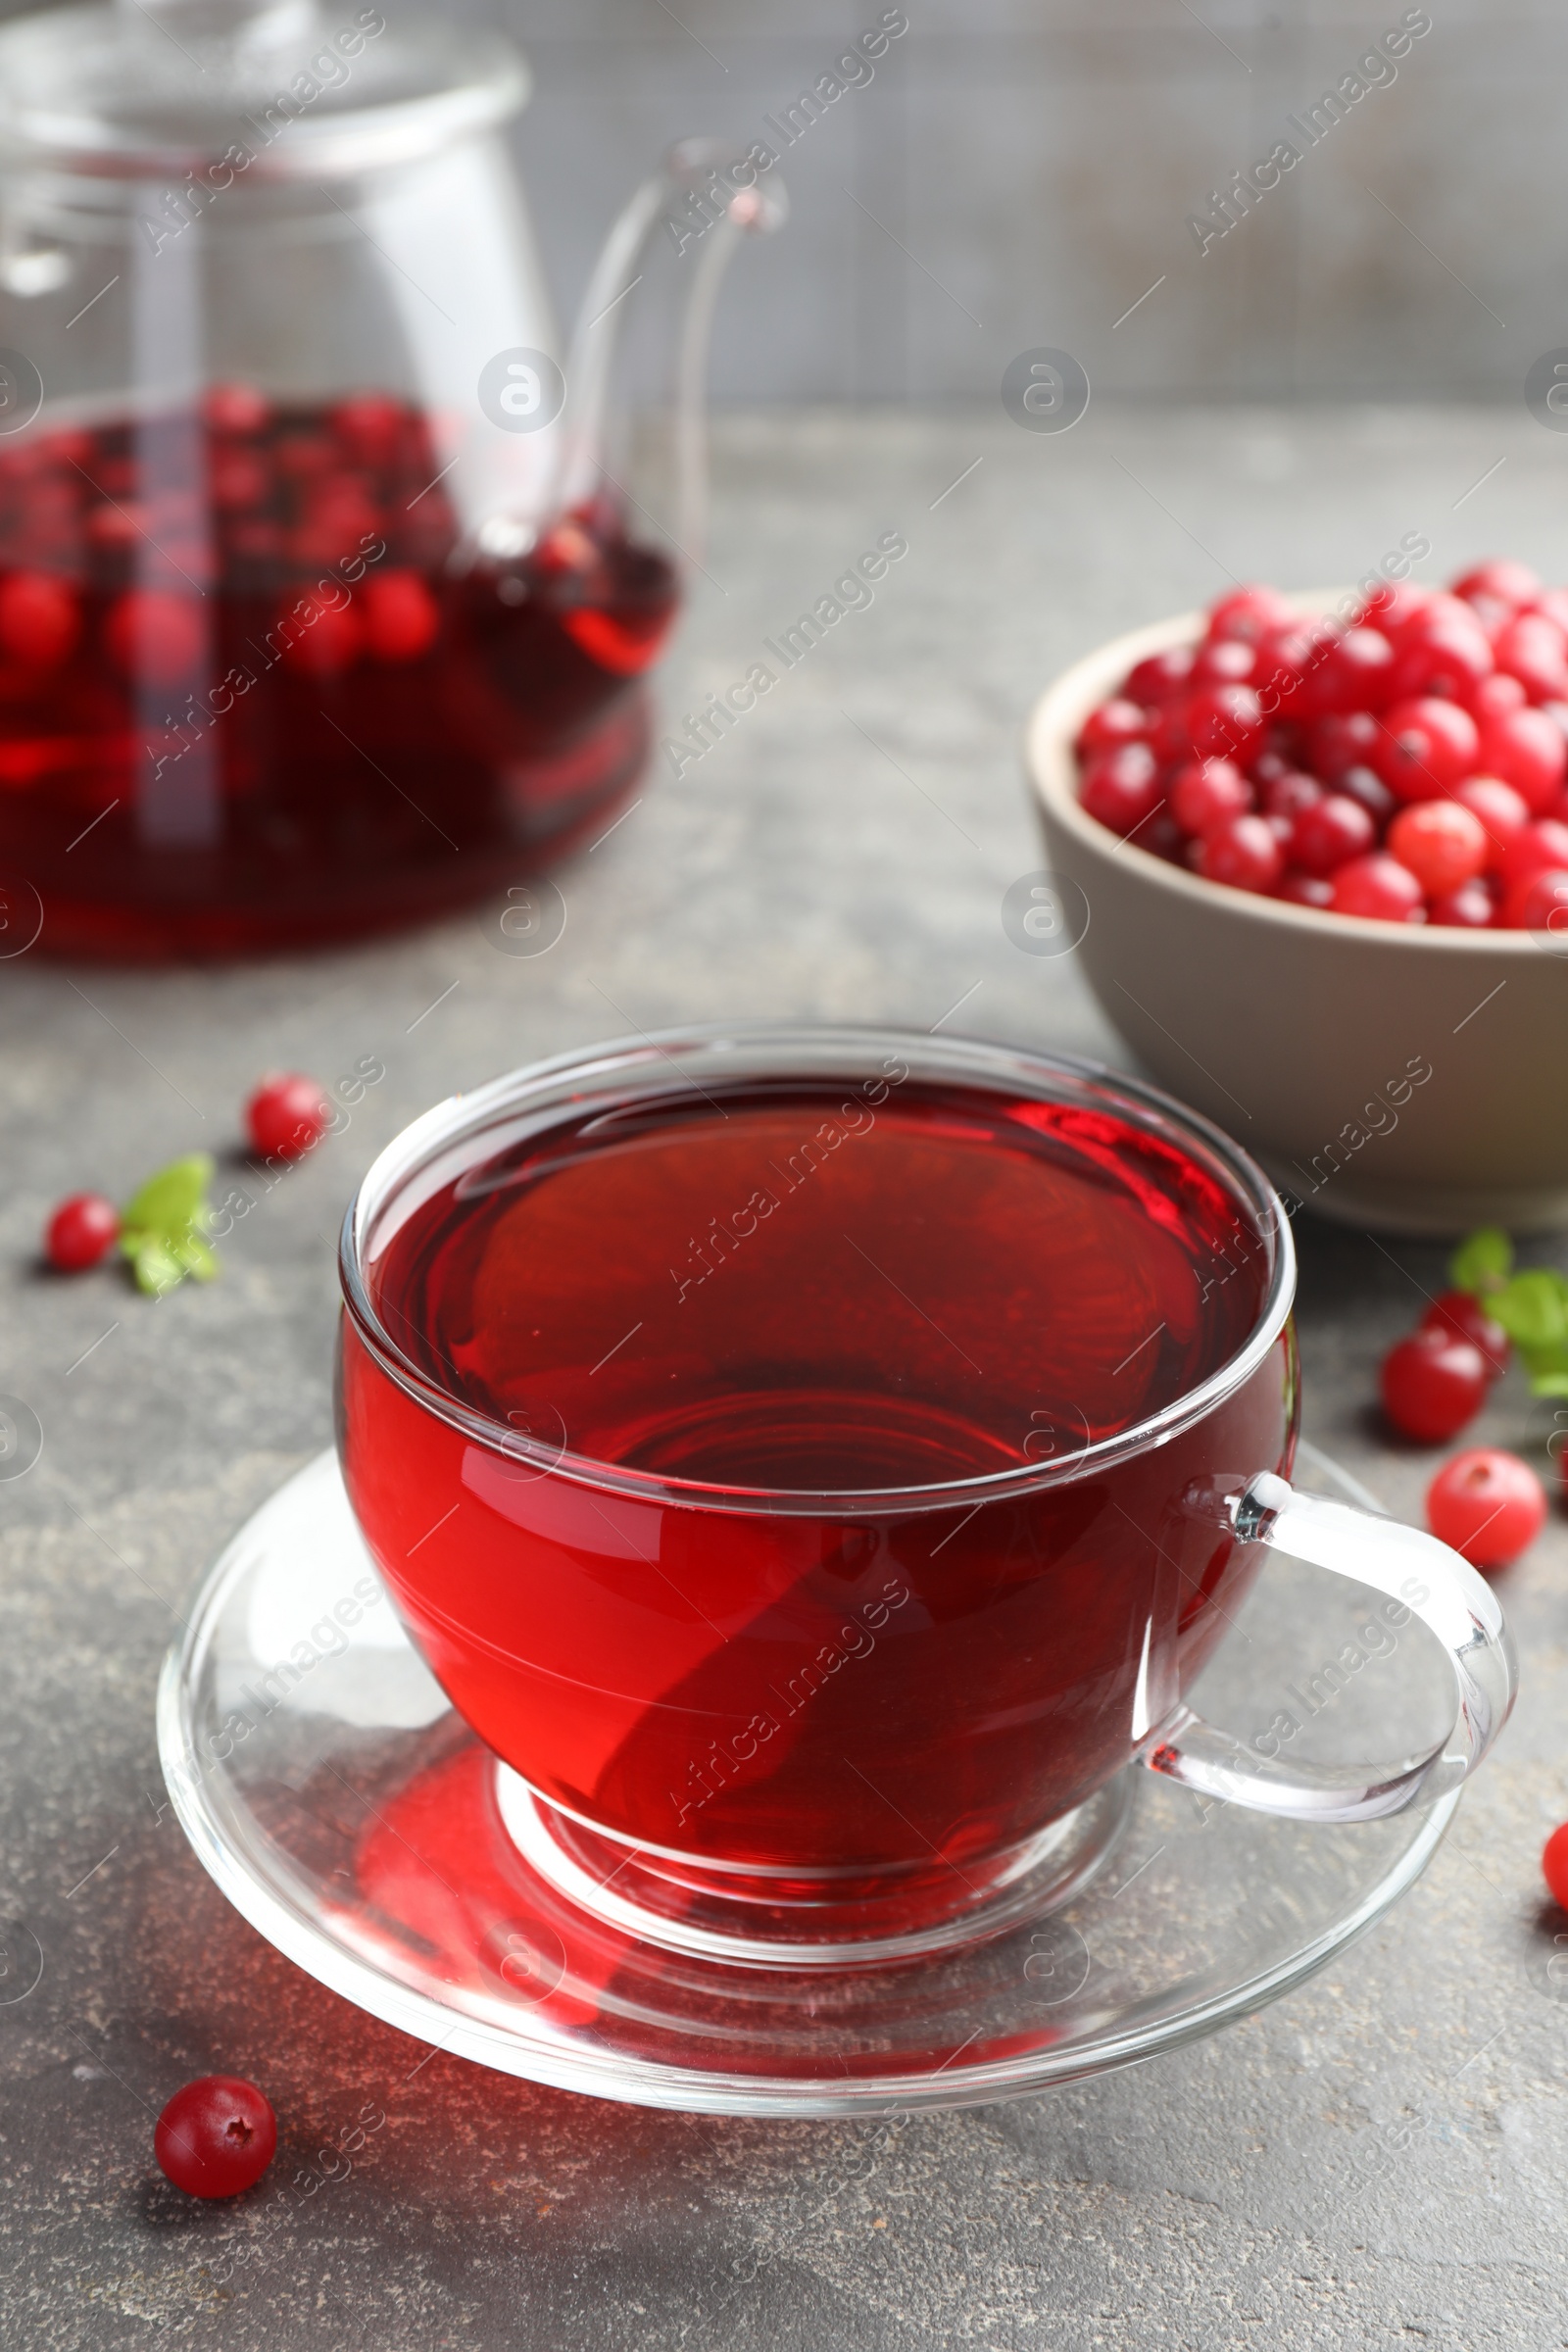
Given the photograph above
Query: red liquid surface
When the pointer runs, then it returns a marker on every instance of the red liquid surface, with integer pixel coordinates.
(812, 1291)
(245, 701)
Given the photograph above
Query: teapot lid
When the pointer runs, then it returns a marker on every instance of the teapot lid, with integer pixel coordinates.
(303, 90)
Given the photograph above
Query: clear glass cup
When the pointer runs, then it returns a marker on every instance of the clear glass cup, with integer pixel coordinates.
(597, 1623)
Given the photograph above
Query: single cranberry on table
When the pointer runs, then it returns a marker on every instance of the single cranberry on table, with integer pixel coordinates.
(1433, 1383)
(217, 2137)
(1554, 1866)
(1487, 1505)
(1443, 843)
(81, 1233)
(1425, 746)
(1462, 1312)
(286, 1116)
(1379, 888)
(1242, 852)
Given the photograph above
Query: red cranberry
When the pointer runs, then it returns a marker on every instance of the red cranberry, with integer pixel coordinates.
(237, 409)
(1343, 740)
(1526, 748)
(1205, 792)
(1330, 832)
(1533, 650)
(1242, 852)
(1503, 577)
(1470, 908)
(1554, 1866)
(1114, 722)
(1379, 887)
(1502, 812)
(1364, 785)
(372, 424)
(1452, 663)
(1393, 607)
(1121, 788)
(286, 1116)
(1441, 842)
(1462, 1312)
(1539, 903)
(217, 2137)
(1495, 694)
(1433, 1384)
(1223, 722)
(1425, 748)
(328, 643)
(153, 634)
(1354, 674)
(81, 1231)
(1538, 847)
(1305, 890)
(1159, 678)
(402, 619)
(1487, 1505)
(1253, 613)
(39, 620)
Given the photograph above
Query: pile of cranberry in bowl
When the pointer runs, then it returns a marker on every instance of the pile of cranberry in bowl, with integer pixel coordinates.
(1408, 766)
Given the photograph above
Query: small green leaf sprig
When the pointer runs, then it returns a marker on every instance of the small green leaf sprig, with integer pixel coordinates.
(1532, 1307)
(163, 1228)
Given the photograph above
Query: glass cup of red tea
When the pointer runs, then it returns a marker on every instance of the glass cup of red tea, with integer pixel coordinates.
(817, 1462)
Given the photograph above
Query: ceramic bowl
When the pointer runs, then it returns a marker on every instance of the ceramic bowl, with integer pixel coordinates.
(1408, 1077)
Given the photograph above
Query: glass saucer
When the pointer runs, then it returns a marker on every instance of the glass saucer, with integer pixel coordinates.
(356, 1822)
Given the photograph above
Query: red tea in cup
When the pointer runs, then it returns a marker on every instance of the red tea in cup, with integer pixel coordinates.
(782, 1451)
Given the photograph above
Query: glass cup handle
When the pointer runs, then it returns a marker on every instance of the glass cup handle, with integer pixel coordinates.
(1424, 1576)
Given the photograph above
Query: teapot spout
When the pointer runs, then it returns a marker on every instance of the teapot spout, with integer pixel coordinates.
(683, 224)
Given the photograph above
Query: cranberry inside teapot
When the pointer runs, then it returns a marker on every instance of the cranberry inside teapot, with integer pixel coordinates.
(245, 696)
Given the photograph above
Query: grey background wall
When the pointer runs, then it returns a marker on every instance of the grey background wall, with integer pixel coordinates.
(1019, 171)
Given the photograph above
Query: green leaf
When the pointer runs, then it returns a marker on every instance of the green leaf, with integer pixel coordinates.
(156, 1268)
(1532, 1308)
(1483, 1260)
(173, 1199)
(164, 1227)
(1550, 1384)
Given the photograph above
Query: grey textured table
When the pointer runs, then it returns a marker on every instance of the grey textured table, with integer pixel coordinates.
(1379, 2158)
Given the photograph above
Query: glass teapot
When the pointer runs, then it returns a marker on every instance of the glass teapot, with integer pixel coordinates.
(328, 583)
